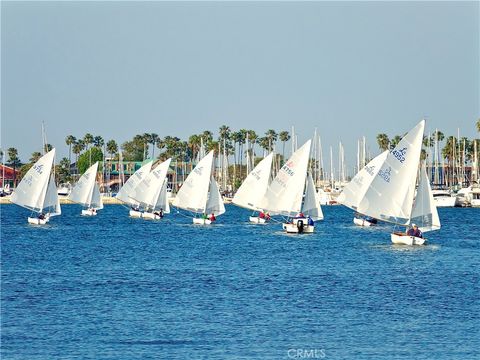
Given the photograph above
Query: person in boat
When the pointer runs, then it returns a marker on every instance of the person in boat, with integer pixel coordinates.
(261, 215)
(204, 216)
(267, 216)
(212, 217)
(310, 221)
(414, 231)
(160, 213)
(41, 216)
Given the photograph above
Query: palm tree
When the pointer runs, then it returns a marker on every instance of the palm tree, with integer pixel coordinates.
(98, 141)
(154, 138)
(87, 140)
(78, 147)
(284, 137)
(271, 135)
(383, 141)
(395, 140)
(264, 143)
(112, 148)
(194, 144)
(48, 147)
(478, 125)
(224, 132)
(70, 140)
(35, 156)
(14, 161)
(207, 136)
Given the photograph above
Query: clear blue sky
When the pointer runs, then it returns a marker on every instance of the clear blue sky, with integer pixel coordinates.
(116, 69)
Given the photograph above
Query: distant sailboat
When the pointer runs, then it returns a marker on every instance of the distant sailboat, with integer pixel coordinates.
(151, 192)
(254, 188)
(390, 196)
(355, 190)
(284, 195)
(126, 193)
(199, 193)
(86, 192)
(37, 191)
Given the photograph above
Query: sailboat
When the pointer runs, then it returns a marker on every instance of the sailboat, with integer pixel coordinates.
(390, 196)
(199, 193)
(86, 192)
(284, 196)
(254, 188)
(355, 190)
(125, 194)
(151, 192)
(37, 191)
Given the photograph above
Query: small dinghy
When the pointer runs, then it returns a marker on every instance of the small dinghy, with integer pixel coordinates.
(127, 191)
(254, 188)
(151, 193)
(284, 196)
(37, 191)
(86, 192)
(199, 193)
(390, 194)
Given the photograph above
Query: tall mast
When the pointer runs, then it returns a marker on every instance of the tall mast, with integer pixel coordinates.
(332, 180)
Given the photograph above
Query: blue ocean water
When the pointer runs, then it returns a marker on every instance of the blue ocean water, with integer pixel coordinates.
(112, 287)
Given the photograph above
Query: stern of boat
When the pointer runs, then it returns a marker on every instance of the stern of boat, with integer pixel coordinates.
(399, 238)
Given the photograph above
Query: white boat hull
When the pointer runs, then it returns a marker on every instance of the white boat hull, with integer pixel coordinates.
(297, 228)
(89, 212)
(135, 214)
(362, 222)
(37, 221)
(404, 239)
(257, 220)
(199, 221)
(151, 216)
(445, 201)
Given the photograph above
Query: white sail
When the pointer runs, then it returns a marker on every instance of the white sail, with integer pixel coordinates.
(32, 190)
(82, 192)
(311, 203)
(162, 201)
(215, 203)
(255, 185)
(424, 213)
(390, 194)
(355, 190)
(193, 194)
(148, 191)
(51, 204)
(127, 190)
(96, 202)
(284, 195)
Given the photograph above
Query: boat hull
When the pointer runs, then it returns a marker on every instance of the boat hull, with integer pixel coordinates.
(199, 221)
(445, 201)
(135, 214)
(257, 220)
(299, 226)
(151, 216)
(37, 221)
(362, 222)
(399, 238)
(89, 212)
